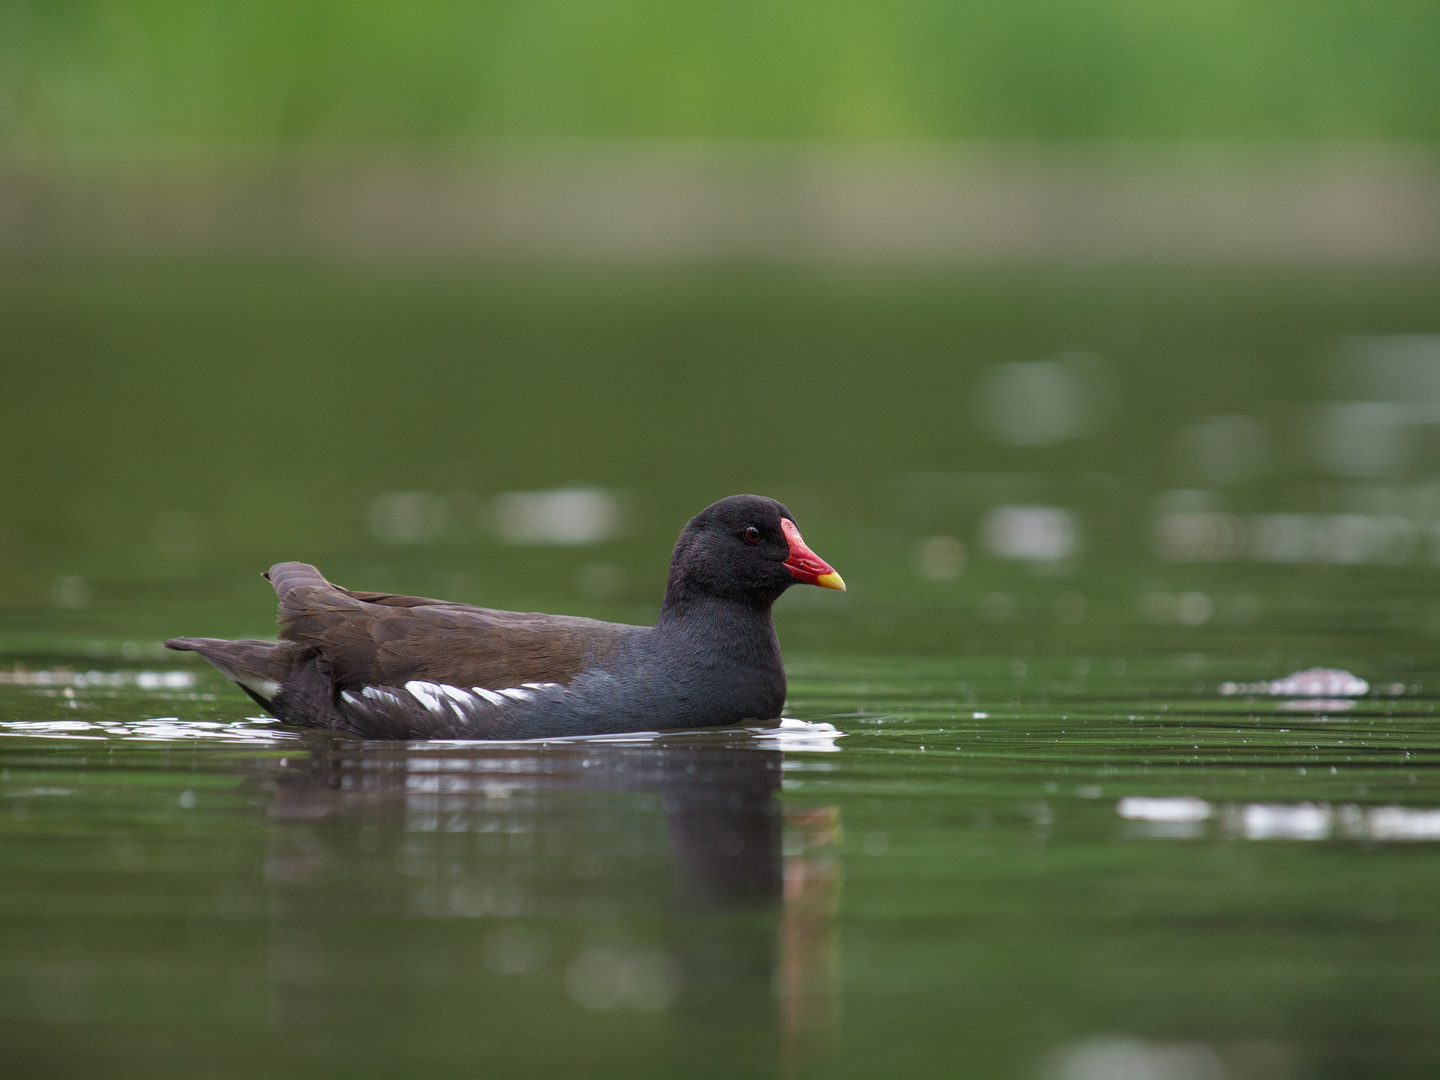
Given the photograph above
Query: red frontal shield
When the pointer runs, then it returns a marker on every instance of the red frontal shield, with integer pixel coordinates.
(804, 565)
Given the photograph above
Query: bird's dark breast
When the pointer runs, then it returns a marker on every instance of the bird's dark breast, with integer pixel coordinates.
(723, 691)
(767, 697)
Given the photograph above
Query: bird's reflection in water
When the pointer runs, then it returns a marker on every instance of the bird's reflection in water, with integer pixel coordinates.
(515, 889)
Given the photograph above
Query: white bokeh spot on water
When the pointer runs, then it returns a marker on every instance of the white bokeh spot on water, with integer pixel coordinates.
(1284, 821)
(111, 680)
(1184, 808)
(602, 978)
(795, 736)
(1038, 534)
(250, 731)
(1121, 1057)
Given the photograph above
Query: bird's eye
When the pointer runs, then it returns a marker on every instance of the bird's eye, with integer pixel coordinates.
(751, 534)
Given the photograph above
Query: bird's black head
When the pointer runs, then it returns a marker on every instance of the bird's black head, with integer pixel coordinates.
(744, 548)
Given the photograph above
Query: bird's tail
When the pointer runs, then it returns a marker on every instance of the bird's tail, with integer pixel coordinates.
(259, 668)
(287, 576)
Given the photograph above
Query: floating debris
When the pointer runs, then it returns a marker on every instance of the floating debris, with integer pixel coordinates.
(1317, 690)
(1320, 682)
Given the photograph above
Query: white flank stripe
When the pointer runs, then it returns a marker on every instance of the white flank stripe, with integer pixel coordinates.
(489, 695)
(428, 695)
(375, 693)
(462, 698)
(516, 693)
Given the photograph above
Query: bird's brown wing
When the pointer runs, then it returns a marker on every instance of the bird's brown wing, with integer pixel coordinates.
(396, 600)
(381, 639)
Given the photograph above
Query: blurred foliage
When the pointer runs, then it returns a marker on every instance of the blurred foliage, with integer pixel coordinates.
(266, 74)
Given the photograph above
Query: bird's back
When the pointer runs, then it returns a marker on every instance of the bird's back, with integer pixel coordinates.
(384, 639)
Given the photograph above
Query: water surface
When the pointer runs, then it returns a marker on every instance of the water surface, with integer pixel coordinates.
(1071, 821)
(976, 872)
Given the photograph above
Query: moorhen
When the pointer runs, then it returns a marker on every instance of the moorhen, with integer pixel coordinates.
(402, 667)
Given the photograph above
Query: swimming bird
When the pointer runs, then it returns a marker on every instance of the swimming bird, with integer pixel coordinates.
(383, 666)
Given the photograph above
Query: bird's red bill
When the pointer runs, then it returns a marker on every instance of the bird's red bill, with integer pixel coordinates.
(804, 565)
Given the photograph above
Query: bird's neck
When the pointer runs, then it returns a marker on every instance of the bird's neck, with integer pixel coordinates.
(745, 632)
(722, 657)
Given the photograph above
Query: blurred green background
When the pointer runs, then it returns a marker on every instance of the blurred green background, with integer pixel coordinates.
(1089, 341)
(265, 76)
(183, 407)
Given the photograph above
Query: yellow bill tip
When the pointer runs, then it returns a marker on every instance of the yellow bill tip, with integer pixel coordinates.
(831, 580)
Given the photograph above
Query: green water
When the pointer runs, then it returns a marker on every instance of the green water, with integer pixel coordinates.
(948, 894)
(948, 883)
